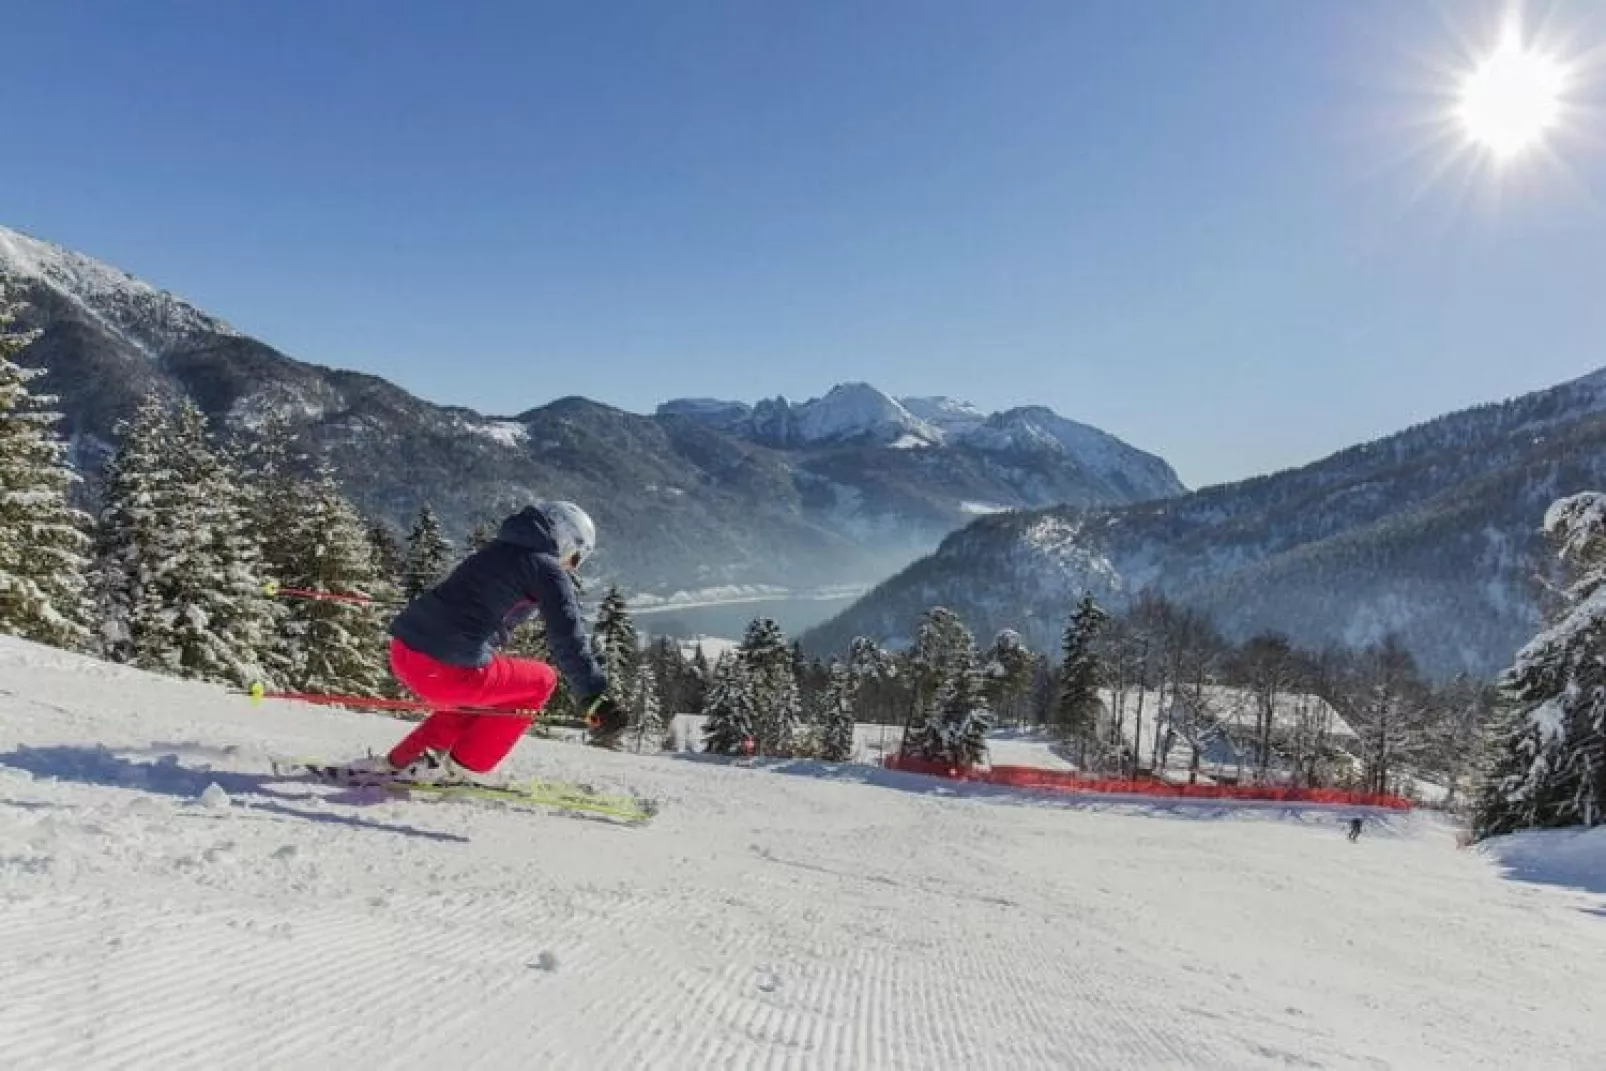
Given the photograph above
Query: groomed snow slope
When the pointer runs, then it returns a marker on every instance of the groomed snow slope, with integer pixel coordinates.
(766, 920)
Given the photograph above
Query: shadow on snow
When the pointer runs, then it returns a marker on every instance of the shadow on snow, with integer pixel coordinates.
(1568, 858)
(164, 776)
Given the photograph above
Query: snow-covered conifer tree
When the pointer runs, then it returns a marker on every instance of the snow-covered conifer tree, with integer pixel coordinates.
(340, 646)
(837, 722)
(429, 555)
(1547, 765)
(1009, 668)
(646, 711)
(729, 706)
(1081, 675)
(953, 718)
(389, 556)
(617, 644)
(137, 489)
(43, 540)
(272, 491)
(765, 656)
(180, 565)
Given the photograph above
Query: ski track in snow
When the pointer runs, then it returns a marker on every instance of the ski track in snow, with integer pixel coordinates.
(762, 921)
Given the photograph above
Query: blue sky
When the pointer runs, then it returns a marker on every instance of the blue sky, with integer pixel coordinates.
(1210, 228)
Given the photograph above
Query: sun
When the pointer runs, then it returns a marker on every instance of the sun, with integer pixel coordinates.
(1508, 103)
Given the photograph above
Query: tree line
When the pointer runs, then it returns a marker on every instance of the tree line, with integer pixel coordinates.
(169, 576)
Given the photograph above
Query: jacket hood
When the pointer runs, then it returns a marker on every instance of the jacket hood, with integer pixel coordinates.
(530, 529)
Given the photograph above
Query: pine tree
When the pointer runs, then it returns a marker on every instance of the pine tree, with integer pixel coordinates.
(43, 545)
(1009, 669)
(340, 646)
(965, 718)
(1547, 765)
(953, 718)
(272, 491)
(697, 681)
(138, 488)
(389, 557)
(837, 724)
(932, 659)
(617, 643)
(429, 555)
(676, 679)
(768, 661)
(1081, 676)
(646, 712)
(179, 563)
(731, 718)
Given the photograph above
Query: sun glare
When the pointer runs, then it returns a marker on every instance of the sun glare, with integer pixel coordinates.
(1513, 97)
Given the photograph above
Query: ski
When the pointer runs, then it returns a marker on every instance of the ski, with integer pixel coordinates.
(561, 796)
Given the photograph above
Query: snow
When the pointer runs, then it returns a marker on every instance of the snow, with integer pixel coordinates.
(780, 914)
(948, 415)
(735, 594)
(647, 603)
(507, 432)
(146, 318)
(1037, 429)
(1573, 859)
(714, 648)
(852, 409)
(981, 509)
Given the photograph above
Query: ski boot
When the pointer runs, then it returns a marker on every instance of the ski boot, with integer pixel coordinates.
(430, 768)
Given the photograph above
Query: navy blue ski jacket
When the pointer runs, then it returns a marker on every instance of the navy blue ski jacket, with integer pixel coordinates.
(466, 617)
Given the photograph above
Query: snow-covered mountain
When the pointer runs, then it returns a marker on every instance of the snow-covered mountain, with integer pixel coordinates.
(849, 413)
(1433, 533)
(1032, 440)
(948, 415)
(840, 490)
(143, 317)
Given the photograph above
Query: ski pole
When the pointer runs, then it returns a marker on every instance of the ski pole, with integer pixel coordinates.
(258, 692)
(273, 590)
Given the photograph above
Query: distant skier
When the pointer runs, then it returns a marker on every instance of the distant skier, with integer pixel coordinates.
(444, 647)
(1355, 825)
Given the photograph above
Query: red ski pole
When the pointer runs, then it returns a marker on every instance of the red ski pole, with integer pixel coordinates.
(365, 702)
(273, 590)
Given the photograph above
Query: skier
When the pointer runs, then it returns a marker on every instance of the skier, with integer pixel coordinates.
(444, 648)
(1355, 825)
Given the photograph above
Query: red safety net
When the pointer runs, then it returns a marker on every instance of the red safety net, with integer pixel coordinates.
(1071, 782)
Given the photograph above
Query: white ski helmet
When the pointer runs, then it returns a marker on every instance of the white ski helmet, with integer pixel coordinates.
(571, 530)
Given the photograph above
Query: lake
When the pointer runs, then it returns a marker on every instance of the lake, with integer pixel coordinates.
(730, 619)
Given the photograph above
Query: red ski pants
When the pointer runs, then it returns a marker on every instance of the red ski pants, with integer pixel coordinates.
(475, 741)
